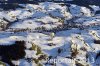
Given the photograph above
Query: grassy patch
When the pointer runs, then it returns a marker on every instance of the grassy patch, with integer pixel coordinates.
(2, 64)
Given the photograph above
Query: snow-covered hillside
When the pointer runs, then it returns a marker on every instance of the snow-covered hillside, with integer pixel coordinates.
(58, 35)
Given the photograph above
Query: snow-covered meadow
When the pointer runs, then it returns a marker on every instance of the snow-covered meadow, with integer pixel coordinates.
(58, 35)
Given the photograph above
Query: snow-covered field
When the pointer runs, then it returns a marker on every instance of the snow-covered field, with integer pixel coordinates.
(57, 34)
